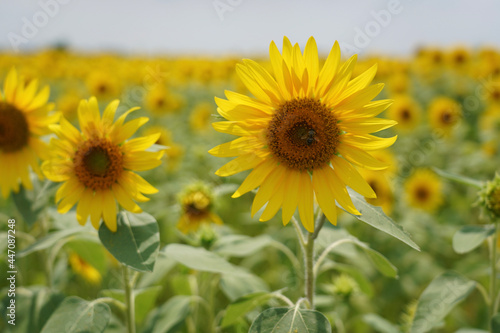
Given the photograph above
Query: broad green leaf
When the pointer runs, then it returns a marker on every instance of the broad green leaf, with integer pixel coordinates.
(495, 323)
(136, 241)
(290, 320)
(200, 259)
(471, 330)
(166, 318)
(34, 305)
(240, 245)
(375, 217)
(54, 237)
(238, 309)
(162, 267)
(380, 324)
(470, 237)
(439, 298)
(236, 286)
(77, 315)
(382, 264)
(458, 178)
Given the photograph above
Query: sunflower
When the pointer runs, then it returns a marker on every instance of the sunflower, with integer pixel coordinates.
(174, 152)
(197, 205)
(160, 101)
(406, 112)
(200, 117)
(424, 190)
(97, 164)
(302, 131)
(24, 117)
(382, 188)
(103, 85)
(444, 114)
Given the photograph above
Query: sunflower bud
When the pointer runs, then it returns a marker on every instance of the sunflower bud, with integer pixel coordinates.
(489, 196)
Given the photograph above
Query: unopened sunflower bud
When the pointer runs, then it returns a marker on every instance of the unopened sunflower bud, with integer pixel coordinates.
(490, 196)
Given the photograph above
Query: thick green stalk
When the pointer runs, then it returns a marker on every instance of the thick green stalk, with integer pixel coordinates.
(129, 300)
(493, 278)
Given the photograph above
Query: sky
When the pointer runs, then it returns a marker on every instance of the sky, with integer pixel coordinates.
(235, 27)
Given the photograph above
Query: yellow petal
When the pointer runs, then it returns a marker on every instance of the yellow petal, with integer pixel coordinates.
(109, 113)
(339, 191)
(232, 111)
(237, 98)
(140, 183)
(291, 195)
(84, 206)
(360, 158)
(120, 134)
(96, 210)
(142, 160)
(237, 147)
(141, 143)
(276, 63)
(9, 86)
(40, 100)
(264, 80)
(241, 163)
(70, 199)
(306, 202)
(256, 177)
(351, 177)
(360, 98)
(269, 187)
(240, 128)
(368, 142)
(325, 195)
(124, 199)
(109, 210)
(329, 70)
(365, 126)
(247, 79)
(311, 60)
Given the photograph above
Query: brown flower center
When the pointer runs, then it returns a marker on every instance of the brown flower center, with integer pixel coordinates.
(196, 205)
(98, 163)
(447, 117)
(405, 114)
(303, 134)
(422, 194)
(14, 131)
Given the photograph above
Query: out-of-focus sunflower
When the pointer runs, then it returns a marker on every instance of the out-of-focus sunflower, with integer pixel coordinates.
(406, 112)
(200, 117)
(444, 114)
(493, 92)
(388, 158)
(490, 119)
(302, 131)
(103, 85)
(197, 208)
(382, 188)
(24, 118)
(160, 100)
(84, 269)
(459, 58)
(68, 104)
(424, 190)
(174, 152)
(398, 84)
(97, 164)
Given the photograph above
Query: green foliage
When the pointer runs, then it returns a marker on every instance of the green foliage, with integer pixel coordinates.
(242, 306)
(77, 315)
(439, 298)
(290, 320)
(136, 241)
(470, 237)
(167, 317)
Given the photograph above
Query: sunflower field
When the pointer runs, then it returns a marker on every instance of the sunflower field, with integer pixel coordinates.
(294, 192)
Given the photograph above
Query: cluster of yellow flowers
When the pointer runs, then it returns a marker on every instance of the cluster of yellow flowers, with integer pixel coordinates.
(308, 125)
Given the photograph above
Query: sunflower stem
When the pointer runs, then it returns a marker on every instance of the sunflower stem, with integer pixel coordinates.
(129, 300)
(309, 265)
(493, 277)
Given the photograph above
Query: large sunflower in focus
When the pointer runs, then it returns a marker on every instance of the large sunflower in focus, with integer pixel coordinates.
(97, 164)
(303, 132)
(23, 119)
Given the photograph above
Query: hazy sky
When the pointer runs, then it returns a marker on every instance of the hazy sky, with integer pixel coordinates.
(246, 26)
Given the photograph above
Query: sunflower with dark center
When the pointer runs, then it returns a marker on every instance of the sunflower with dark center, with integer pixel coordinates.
(444, 114)
(424, 190)
(24, 118)
(303, 133)
(406, 112)
(97, 164)
(197, 208)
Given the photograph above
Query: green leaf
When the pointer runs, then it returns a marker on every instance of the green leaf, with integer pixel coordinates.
(238, 309)
(329, 235)
(495, 323)
(290, 320)
(375, 217)
(240, 245)
(34, 305)
(54, 237)
(162, 267)
(380, 324)
(439, 298)
(200, 259)
(459, 179)
(471, 330)
(165, 318)
(77, 315)
(470, 237)
(136, 241)
(25, 204)
(236, 286)
(382, 264)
